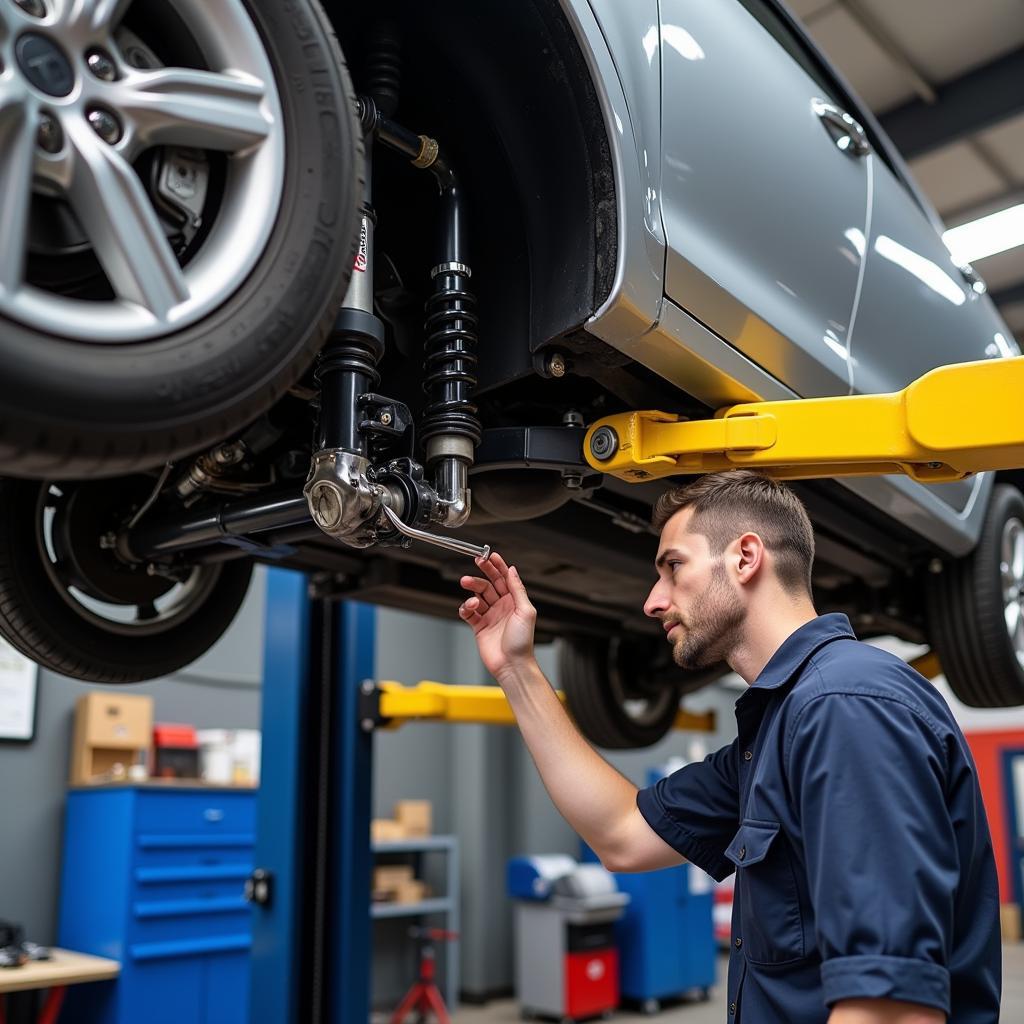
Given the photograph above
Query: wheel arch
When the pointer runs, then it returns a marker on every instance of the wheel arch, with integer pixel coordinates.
(1011, 476)
(506, 90)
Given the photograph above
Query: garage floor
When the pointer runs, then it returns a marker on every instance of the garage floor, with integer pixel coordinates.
(713, 1012)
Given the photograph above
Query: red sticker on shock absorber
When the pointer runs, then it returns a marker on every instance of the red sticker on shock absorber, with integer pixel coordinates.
(360, 263)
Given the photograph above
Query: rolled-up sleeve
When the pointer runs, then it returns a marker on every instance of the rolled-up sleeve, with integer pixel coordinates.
(696, 810)
(869, 777)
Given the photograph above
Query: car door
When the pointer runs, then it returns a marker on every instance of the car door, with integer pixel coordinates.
(764, 190)
(917, 309)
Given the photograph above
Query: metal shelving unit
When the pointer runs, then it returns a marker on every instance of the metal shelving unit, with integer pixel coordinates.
(447, 905)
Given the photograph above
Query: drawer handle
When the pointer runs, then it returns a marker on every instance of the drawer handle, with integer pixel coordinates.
(213, 814)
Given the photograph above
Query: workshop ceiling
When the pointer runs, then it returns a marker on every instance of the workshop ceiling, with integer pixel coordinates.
(946, 79)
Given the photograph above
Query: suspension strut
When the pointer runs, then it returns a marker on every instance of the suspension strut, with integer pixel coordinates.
(450, 427)
(364, 485)
(341, 501)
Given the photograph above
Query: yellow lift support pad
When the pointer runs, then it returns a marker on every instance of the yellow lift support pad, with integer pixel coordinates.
(952, 422)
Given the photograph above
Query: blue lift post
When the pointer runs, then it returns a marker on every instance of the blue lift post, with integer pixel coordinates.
(312, 932)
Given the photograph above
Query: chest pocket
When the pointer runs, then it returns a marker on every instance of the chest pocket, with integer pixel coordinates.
(771, 925)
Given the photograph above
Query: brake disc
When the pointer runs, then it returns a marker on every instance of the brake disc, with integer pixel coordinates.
(178, 184)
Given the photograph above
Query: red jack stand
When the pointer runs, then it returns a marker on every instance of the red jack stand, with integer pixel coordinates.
(424, 995)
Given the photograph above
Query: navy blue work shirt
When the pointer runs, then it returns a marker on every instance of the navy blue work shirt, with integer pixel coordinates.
(849, 807)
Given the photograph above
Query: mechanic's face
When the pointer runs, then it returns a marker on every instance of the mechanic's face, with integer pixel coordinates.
(698, 604)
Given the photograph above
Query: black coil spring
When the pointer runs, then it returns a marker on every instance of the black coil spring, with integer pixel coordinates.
(347, 357)
(450, 361)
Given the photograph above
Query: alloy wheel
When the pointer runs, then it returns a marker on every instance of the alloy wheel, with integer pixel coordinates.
(113, 136)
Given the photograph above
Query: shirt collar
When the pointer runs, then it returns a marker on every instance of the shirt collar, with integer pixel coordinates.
(798, 647)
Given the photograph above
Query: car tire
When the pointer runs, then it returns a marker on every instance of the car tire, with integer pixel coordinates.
(623, 692)
(976, 609)
(64, 635)
(77, 402)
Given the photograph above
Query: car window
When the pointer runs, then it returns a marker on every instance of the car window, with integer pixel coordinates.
(789, 36)
(780, 30)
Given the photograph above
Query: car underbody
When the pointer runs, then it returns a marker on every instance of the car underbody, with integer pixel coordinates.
(449, 395)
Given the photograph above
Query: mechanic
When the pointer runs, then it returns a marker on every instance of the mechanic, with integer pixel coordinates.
(848, 805)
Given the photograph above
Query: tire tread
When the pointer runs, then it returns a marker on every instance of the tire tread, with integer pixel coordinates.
(50, 636)
(965, 610)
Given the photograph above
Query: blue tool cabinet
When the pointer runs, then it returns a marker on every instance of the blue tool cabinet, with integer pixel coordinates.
(666, 938)
(153, 877)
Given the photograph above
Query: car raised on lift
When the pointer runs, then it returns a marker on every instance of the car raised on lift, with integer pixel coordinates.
(217, 256)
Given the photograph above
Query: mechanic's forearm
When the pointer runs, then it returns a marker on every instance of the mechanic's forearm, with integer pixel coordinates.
(588, 792)
(883, 1011)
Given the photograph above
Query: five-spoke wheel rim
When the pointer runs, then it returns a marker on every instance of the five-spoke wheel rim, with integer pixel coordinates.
(1011, 572)
(76, 117)
(173, 602)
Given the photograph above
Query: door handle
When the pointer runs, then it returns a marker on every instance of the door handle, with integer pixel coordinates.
(847, 133)
(973, 278)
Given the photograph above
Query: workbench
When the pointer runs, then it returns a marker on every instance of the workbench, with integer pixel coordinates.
(65, 967)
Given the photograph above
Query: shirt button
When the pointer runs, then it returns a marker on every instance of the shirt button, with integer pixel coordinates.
(748, 755)
(739, 942)
(742, 853)
(732, 1008)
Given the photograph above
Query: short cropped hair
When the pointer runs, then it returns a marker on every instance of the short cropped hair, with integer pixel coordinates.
(728, 504)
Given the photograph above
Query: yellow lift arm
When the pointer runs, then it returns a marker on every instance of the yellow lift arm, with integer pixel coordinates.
(952, 422)
(484, 705)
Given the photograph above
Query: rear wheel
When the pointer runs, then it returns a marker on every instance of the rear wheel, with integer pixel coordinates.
(179, 189)
(976, 610)
(623, 692)
(68, 603)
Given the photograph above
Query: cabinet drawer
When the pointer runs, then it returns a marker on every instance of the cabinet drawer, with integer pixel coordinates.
(173, 850)
(198, 921)
(208, 887)
(188, 881)
(148, 952)
(201, 813)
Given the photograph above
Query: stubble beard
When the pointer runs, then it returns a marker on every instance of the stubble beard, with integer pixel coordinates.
(713, 626)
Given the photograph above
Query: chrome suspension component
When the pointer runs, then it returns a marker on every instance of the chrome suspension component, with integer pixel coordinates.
(364, 485)
(342, 500)
(464, 547)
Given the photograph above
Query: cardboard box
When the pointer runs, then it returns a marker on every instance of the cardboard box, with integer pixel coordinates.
(115, 720)
(415, 817)
(1009, 921)
(384, 830)
(412, 891)
(389, 877)
(111, 730)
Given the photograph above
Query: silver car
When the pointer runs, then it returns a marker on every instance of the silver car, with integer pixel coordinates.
(250, 311)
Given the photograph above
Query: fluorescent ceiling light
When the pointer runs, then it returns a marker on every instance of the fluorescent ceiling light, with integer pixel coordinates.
(986, 236)
(924, 270)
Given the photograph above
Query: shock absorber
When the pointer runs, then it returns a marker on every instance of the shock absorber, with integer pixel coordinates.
(358, 491)
(342, 501)
(450, 427)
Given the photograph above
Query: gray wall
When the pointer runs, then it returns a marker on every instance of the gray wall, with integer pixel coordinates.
(221, 689)
(540, 828)
(480, 780)
(486, 790)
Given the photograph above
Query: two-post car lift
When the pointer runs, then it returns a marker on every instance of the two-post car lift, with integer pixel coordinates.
(321, 703)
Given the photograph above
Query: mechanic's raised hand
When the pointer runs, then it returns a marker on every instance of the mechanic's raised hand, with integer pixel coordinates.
(501, 616)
